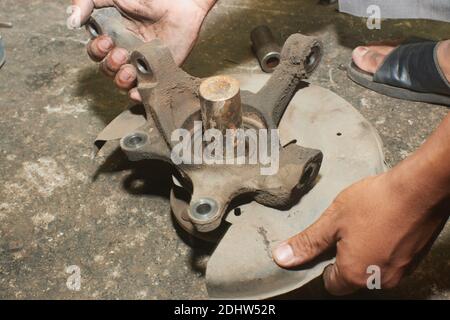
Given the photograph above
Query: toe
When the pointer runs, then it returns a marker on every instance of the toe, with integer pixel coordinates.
(383, 49)
(367, 59)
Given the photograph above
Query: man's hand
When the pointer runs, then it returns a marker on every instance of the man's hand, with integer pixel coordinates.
(389, 221)
(177, 23)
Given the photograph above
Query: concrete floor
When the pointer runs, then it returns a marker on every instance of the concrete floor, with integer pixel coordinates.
(59, 207)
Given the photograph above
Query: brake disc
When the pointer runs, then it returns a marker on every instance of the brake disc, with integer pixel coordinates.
(278, 205)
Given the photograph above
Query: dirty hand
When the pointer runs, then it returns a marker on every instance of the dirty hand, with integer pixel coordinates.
(177, 23)
(387, 221)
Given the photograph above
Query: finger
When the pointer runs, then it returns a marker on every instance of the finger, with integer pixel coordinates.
(126, 77)
(426, 249)
(135, 95)
(82, 9)
(103, 3)
(99, 48)
(80, 12)
(335, 283)
(308, 244)
(114, 61)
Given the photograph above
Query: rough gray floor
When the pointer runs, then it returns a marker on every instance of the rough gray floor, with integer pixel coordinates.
(59, 207)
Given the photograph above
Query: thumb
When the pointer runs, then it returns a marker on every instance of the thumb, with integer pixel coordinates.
(308, 244)
(81, 10)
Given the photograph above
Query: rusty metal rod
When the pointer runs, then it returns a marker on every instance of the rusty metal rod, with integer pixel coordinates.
(221, 103)
(266, 48)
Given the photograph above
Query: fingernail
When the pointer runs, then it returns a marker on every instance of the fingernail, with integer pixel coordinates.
(283, 254)
(118, 56)
(105, 44)
(125, 76)
(360, 51)
(74, 22)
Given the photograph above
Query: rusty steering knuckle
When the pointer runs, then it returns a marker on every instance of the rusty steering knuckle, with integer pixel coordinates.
(174, 100)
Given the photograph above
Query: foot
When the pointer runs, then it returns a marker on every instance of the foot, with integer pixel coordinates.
(176, 23)
(370, 58)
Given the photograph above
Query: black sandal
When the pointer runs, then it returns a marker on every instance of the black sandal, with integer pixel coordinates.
(410, 72)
